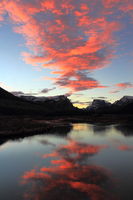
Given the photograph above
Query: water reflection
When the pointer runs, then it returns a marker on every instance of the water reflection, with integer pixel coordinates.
(71, 175)
(64, 130)
(76, 163)
(125, 147)
(126, 130)
(80, 127)
(2, 142)
(100, 129)
(61, 130)
(46, 142)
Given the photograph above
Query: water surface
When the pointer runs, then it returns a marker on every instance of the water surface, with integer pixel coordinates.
(90, 162)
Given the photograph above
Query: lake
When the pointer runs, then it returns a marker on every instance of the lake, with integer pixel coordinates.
(85, 162)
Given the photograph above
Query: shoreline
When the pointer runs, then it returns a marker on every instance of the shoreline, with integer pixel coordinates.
(15, 127)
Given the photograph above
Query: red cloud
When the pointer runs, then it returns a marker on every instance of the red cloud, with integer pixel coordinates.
(122, 86)
(67, 36)
(2, 11)
(78, 85)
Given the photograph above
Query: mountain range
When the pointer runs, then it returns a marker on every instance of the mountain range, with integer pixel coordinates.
(121, 106)
(59, 105)
(10, 104)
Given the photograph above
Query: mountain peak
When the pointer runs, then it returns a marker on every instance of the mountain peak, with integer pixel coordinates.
(6, 95)
(124, 100)
(99, 103)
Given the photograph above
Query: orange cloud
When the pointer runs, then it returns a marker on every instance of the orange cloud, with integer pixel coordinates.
(34, 60)
(67, 36)
(2, 11)
(49, 5)
(122, 86)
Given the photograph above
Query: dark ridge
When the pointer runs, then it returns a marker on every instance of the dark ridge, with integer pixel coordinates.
(7, 95)
(12, 105)
(59, 106)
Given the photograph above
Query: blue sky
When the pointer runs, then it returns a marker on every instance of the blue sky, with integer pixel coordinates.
(109, 72)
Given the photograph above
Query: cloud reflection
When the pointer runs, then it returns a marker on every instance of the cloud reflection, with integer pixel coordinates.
(125, 148)
(70, 175)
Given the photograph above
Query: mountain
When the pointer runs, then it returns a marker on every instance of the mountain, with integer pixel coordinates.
(59, 105)
(99, 105)
(125, 100)
(6, 95)
(122, 106)
(44, 99)
(56, 103)
(10, 104)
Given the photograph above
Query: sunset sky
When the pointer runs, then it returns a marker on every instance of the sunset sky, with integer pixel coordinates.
(80, 48)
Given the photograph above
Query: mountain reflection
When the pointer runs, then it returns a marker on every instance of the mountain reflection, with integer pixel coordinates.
(126, 130)
(101, 129)
(70, 175)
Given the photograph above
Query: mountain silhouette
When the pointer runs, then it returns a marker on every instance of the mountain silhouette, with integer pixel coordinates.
(10, 104)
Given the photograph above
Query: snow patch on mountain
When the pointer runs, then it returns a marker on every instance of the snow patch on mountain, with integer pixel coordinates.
(43, 99)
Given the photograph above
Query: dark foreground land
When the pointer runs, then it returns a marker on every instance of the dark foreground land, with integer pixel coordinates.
(21, 126)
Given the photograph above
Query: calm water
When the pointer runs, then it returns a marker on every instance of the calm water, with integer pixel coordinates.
(88, 163)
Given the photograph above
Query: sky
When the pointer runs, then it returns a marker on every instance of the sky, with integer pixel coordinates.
(79, 48)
